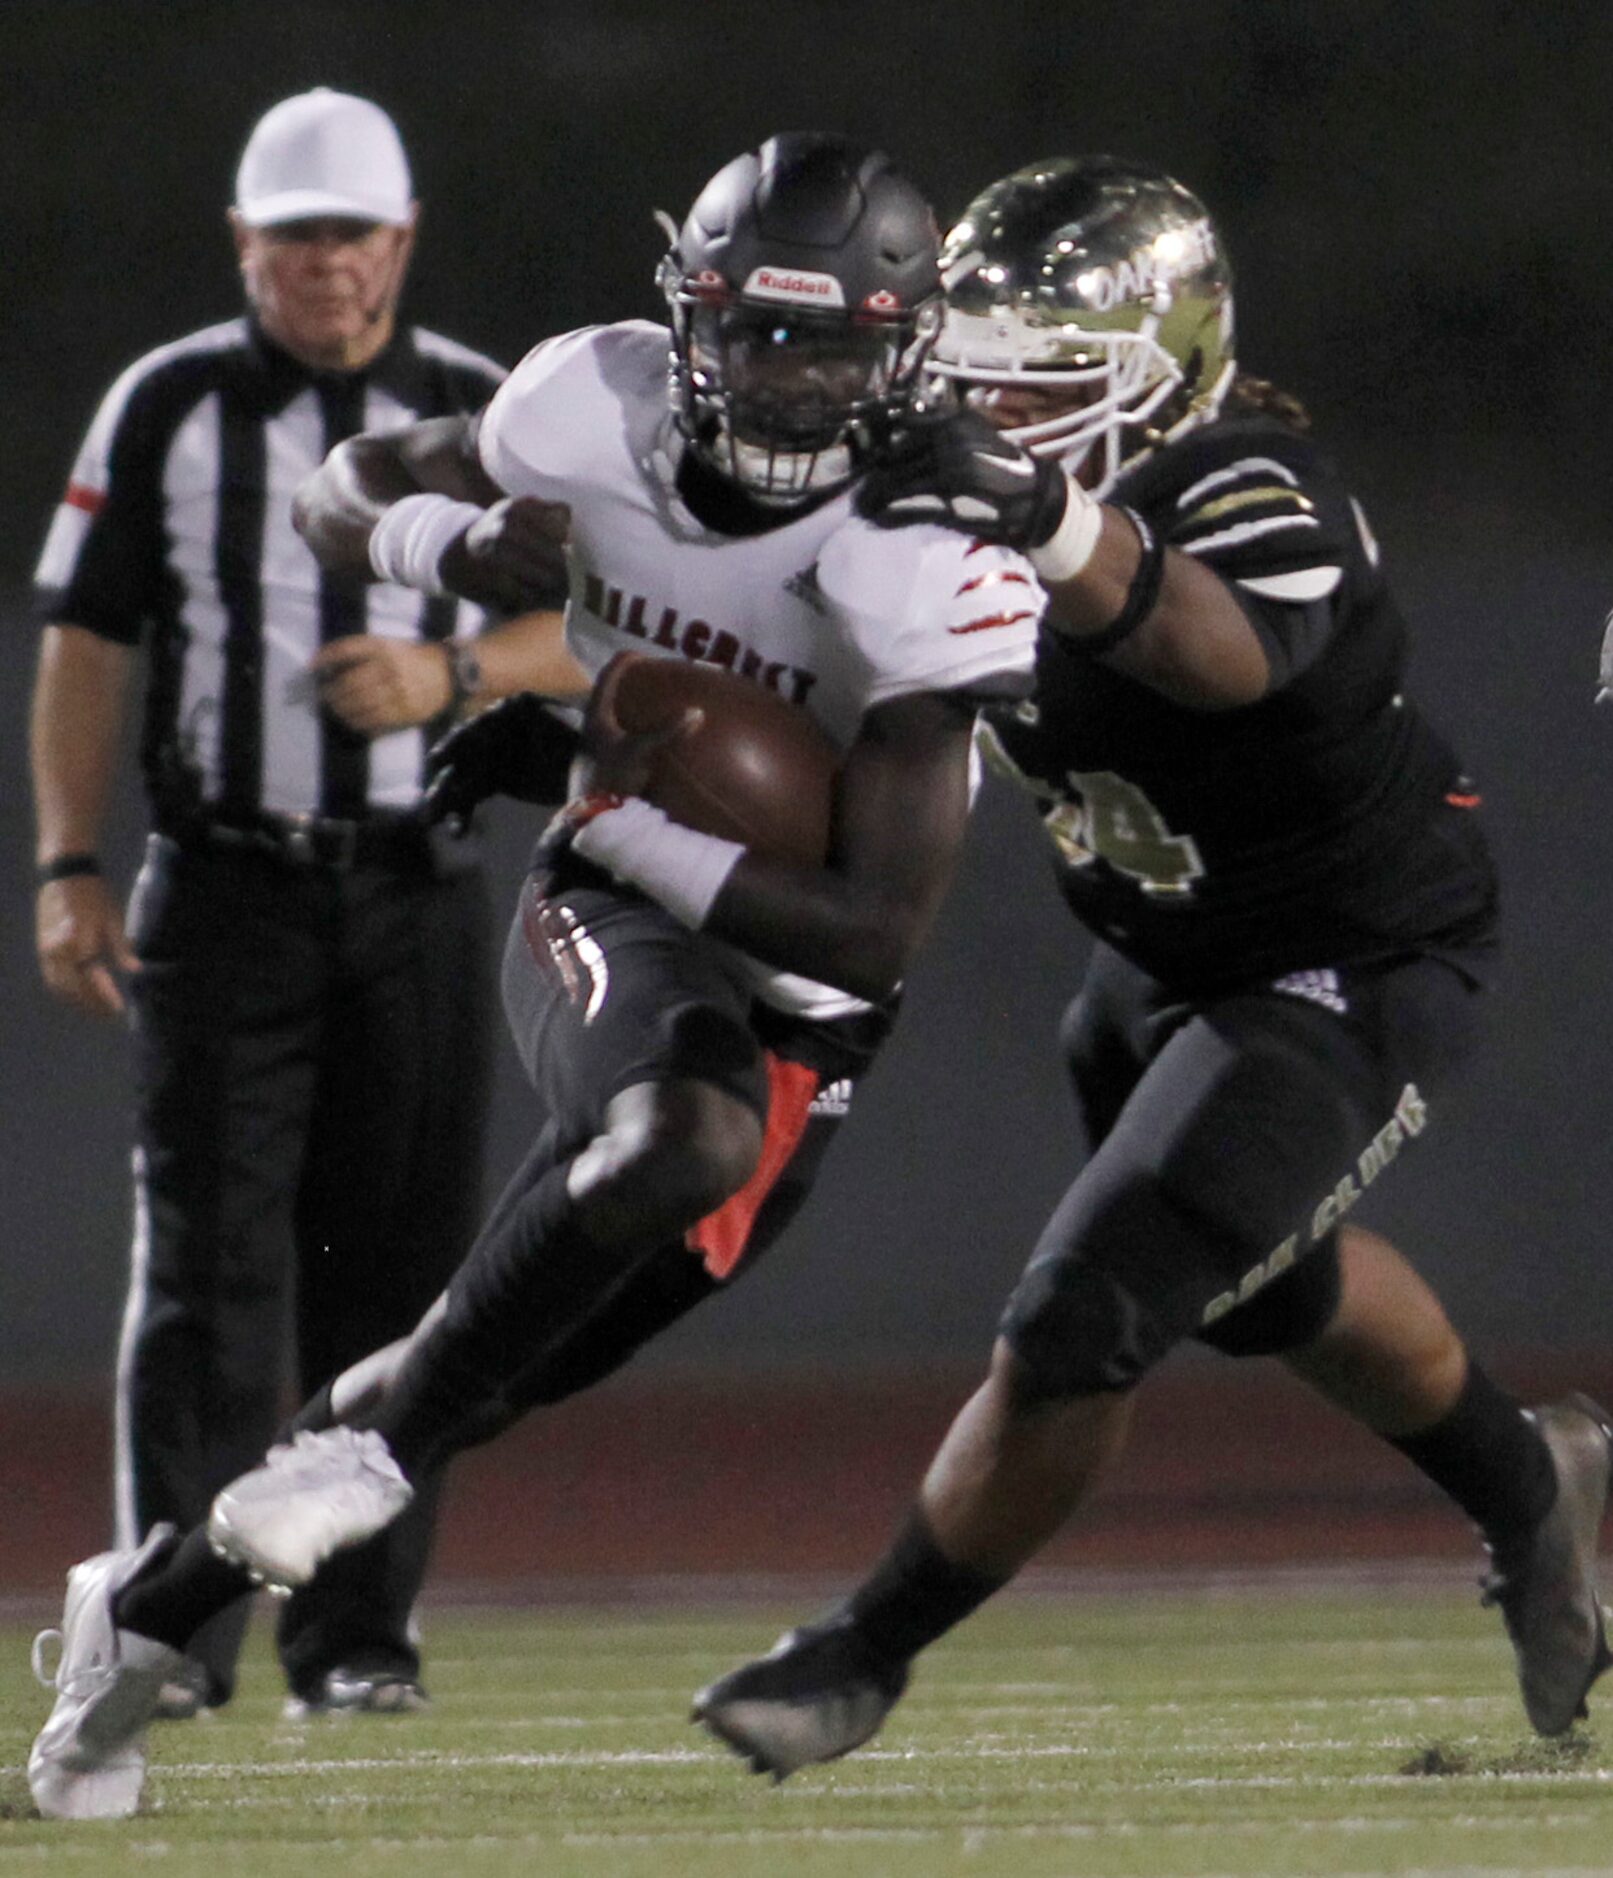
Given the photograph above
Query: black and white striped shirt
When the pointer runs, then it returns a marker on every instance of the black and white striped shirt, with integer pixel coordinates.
(176, 526)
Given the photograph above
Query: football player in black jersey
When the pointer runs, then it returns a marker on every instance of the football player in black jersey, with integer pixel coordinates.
(1295, 914)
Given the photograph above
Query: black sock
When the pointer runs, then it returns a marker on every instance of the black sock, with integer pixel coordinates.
(531, 1277)
(915, 1594)
(1489, 1456)
(174, 1598)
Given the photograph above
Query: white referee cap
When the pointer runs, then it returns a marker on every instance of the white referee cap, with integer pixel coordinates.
(323, 152)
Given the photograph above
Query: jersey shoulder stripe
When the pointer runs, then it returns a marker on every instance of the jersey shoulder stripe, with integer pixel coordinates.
(1254, 498)
(1256, 502)
(1250, 468)
(929, 609)
(1002, 593)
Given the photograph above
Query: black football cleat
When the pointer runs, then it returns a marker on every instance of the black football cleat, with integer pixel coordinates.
(816, 1695)
(1546, 1587)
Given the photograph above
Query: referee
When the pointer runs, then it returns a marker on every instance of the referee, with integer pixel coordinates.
(304, 964)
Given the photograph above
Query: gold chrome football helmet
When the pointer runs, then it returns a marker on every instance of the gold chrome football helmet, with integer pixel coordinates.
(1101, 277)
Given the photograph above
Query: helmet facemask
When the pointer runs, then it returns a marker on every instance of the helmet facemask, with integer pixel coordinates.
(779, 398)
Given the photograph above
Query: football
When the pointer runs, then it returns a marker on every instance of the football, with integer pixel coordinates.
(757, 769)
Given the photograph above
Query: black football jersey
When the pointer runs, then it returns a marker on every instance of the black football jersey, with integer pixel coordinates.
(1324, 824)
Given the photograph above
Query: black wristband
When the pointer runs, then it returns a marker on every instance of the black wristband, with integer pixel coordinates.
(64, 867)
(1140, 595)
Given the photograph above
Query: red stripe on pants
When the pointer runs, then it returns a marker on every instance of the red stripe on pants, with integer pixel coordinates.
(721, 1237)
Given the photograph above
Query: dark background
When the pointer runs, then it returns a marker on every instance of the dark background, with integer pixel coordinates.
(1416, 196)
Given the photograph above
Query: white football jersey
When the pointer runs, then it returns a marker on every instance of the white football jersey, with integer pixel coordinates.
(832, 612)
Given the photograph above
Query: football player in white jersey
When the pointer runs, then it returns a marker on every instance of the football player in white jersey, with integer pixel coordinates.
(678, 1000)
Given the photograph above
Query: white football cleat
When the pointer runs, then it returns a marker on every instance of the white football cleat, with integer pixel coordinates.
(322, 1493)
(89, 1761)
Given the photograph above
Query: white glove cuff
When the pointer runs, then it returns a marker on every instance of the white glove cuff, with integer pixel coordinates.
(680, 867)
(406, 545)
(1070, 546)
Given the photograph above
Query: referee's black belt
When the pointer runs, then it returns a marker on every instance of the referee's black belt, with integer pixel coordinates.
(402, 842)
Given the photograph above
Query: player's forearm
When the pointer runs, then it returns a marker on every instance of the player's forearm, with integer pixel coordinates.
(822, 925)
(1191, 643)
(859, 934)
(901, 809)
(75, 734)
(336, 509)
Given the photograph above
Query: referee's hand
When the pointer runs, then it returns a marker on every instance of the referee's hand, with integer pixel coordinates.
(373, 685)
(83, 949)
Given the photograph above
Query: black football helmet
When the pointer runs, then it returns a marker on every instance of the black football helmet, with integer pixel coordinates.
(804, 289)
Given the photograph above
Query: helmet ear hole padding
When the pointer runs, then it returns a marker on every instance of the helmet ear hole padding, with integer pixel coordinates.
(1101, 277)
(804, 293)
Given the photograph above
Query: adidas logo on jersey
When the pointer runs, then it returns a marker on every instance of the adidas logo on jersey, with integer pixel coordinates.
(804, 586)
(834, 1098)
(1319, 987)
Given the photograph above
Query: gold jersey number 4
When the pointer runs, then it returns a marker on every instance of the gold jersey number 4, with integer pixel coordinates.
(1109, 819)
(1115, 821)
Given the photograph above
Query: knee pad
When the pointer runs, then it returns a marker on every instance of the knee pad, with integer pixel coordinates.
(1073, 1333)
(1113, 1289)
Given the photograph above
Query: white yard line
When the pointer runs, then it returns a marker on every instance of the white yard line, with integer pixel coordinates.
(301, 1767)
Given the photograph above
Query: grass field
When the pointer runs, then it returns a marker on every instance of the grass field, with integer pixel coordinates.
(1234, 1733)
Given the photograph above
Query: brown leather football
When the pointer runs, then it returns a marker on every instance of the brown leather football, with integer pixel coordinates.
(757, 769)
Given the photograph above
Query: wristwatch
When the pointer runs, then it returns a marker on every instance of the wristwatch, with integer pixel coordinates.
(464, 671)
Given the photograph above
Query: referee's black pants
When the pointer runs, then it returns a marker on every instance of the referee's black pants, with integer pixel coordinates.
(312, 1054)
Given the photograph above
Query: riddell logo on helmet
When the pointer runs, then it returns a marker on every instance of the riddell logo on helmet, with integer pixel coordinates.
(798, 285)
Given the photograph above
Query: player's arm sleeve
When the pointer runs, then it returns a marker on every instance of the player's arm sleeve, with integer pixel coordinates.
(1284, 536)
(927, 609)
(102, 558)
(514, 433)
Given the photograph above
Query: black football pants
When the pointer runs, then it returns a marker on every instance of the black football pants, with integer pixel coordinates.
(604, 991)
(312, 1063)
(1230, 1136)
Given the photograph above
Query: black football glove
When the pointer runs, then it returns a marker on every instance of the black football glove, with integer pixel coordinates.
(953, 468)
(516, 747)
